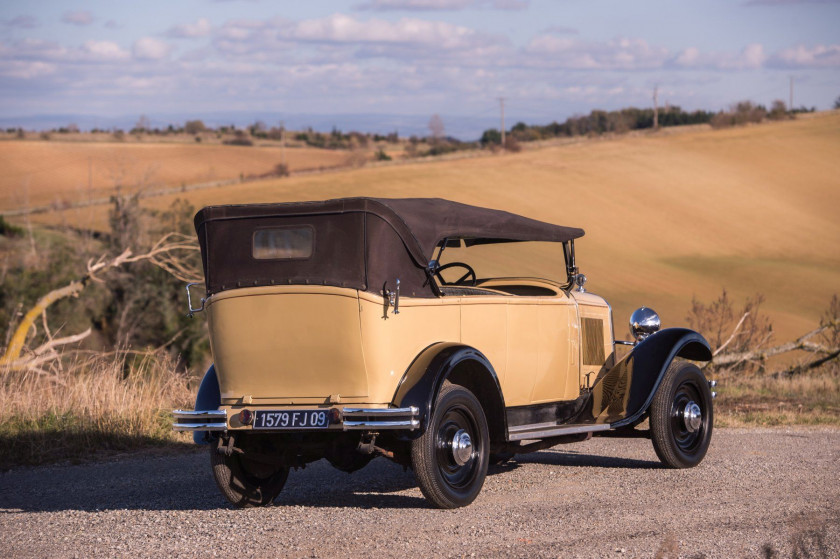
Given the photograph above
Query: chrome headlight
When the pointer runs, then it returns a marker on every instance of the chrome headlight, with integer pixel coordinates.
(643, 323)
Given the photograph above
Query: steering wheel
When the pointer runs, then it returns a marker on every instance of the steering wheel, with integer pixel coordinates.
(459, 281)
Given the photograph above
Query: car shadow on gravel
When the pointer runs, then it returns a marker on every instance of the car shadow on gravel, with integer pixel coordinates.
(184, 482)
(576, 459)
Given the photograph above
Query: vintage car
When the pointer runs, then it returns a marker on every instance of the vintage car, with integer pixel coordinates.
(361, 327)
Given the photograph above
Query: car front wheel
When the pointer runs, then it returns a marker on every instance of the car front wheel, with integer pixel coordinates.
(450, 459)
(681, 416)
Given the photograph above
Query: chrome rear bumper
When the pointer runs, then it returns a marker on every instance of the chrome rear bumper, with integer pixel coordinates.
(209, 420)
(350, 419)
(380, 418)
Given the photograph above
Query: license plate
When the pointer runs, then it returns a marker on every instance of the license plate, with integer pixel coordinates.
(291, 419)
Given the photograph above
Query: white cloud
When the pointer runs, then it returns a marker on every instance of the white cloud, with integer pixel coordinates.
(103, 50)
(800, 56)
(25, 69)
(576, 54)
(80, 17)
(751, 57)
(200, 28)
(339, 28)
(149, 48)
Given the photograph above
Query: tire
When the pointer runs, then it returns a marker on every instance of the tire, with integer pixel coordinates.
(247, 483)
(449, 476)
(679, 438)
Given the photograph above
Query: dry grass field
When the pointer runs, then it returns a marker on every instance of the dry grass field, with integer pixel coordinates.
(37, 173)
(668, 216)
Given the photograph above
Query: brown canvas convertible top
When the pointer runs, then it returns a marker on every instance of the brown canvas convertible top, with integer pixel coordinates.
(359, 242)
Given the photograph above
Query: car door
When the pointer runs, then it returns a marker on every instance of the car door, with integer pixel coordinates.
(557, 367)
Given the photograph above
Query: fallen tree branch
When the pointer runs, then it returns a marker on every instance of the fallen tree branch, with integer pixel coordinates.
(54, 343)
(161, 255)
(800, 343)
(45, 352)
(18, 340)
(734, 333)
(808, 366)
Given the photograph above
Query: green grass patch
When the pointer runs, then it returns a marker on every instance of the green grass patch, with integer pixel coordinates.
(75, 438)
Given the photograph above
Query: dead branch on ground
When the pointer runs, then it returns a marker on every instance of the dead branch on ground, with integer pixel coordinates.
(163, 254)
(803, 343)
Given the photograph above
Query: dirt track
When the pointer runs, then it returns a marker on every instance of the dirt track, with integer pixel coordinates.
(605, 497)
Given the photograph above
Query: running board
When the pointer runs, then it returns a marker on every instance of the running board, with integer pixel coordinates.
(544, 430)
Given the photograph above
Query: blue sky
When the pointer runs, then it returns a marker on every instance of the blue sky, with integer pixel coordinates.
(549, 58)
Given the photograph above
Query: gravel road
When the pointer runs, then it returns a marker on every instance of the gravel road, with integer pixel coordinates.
(600, 498)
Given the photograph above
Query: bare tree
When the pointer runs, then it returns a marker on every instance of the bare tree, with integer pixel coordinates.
(143, 124)
(436, 126)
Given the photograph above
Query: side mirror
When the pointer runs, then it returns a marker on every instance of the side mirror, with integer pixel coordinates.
(643, 323)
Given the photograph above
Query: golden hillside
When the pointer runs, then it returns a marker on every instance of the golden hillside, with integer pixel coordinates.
(37, 173)
(667, 216)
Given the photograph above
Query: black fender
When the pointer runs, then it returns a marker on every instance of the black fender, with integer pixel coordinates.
(460, 364)
(209, 397)
(645, 366)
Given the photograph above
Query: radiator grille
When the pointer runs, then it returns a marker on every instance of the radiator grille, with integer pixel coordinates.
(593, 341)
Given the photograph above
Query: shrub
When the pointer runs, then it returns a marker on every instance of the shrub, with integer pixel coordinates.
(743, 112)
(239, 140)
(778, 110)
(382, 156)
(512, 144)
(9, 230)
(491, 136)
(194, 127)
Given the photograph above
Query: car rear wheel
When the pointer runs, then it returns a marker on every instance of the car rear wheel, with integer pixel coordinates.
(681, 416)
(450, 459)
(246, 482)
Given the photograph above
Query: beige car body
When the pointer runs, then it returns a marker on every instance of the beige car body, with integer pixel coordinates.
(321, 346)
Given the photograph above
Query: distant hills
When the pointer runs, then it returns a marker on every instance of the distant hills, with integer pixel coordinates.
(463, 128)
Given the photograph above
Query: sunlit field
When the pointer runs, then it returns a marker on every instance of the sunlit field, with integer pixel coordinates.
(38, 173)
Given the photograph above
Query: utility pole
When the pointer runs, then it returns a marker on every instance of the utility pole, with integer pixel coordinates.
(656, 107)
(502, 105)
(790, 107)
(283, 141)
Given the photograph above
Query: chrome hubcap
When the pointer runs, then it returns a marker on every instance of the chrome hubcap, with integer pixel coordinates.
(462, 447)
(692, 417)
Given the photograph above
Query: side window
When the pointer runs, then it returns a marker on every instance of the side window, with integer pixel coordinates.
(283, 243)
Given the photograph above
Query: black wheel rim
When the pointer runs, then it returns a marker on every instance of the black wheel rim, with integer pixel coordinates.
(687, 440)
(457, 476)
